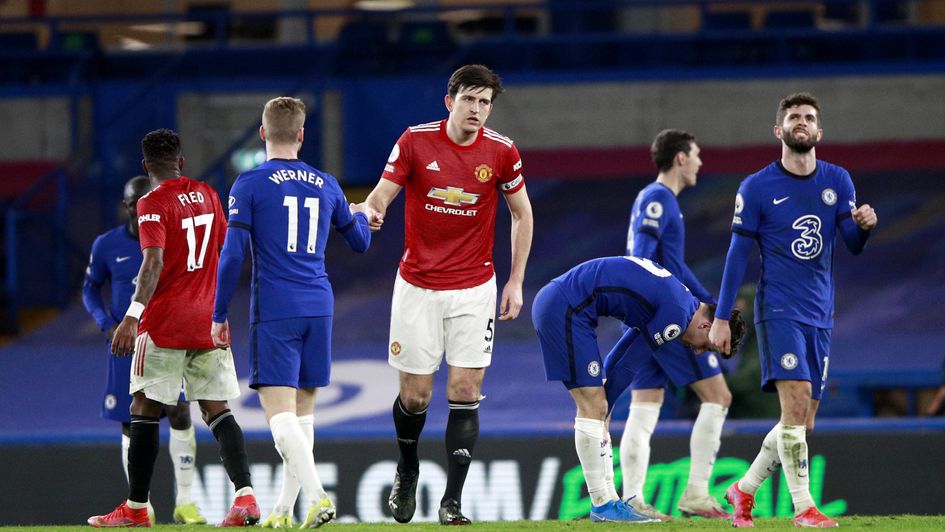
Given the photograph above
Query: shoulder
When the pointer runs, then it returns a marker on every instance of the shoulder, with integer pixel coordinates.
(493, 136)
(429, 127)
(833, 170)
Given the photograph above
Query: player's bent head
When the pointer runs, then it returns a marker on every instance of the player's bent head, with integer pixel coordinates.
(794, 100)
(474, 76)
(161, 148)
(667, 144)
(135, 188)
(282, 119)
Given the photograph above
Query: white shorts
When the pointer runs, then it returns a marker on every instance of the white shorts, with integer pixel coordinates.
(424, 323)
(206, 373)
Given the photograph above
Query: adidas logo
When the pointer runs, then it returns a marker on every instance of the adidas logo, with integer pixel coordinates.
(462, 452)
(433, 166)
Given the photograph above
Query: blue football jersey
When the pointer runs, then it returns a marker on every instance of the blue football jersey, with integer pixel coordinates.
(795, 219)
(636, 291)
(288, 208)
(116, 258)
(656, 212)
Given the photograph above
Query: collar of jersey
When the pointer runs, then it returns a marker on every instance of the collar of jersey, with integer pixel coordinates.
(459, 146)
(796, 176)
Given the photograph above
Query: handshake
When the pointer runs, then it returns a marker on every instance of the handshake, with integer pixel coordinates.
(375, 218)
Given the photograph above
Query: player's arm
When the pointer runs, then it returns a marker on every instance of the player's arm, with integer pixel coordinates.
(228, 275)
(357, 232)
(645, 245)
(689, 279)
(856, 226)
(617, 365)
(522, 226)
(380, 199)
(735, 263)
(124, 339)
(95, 276)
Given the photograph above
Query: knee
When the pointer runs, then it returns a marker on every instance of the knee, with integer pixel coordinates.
(179, 416)
(724, 398)
(415, 400)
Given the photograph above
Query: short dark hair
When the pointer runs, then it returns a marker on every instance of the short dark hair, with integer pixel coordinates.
(736, 326)
(135, 188)
(793, 100)
(474, 76)
(161, 146)
(667, 144)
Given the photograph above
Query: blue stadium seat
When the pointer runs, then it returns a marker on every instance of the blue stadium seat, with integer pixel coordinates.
(734, 20)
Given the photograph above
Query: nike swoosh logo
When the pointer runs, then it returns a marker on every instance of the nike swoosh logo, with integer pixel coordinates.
(121, 259)
(780, 201)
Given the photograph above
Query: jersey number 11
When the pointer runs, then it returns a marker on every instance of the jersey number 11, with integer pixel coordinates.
(292, 239)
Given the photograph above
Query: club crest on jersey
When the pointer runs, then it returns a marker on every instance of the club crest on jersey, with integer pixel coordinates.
(829, 196)
(453, 196)
(671, 332)
(654, 209)
(483, 173)
(110, 402)
(593, 369)
(395, 348)
(712, 360)
(788, 361)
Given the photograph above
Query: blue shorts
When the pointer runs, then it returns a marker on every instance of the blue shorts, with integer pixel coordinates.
(568, 340)
(292, 352)
(793, 351)
(677, 363)
(116, 403)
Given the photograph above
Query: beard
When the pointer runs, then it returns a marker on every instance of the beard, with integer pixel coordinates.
(799, 146)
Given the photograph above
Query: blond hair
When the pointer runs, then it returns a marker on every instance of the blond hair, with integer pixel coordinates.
(282, 119)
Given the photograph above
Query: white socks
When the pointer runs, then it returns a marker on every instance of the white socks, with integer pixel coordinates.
(704, 446)
(635, 447)
(125, 444)
(792, 448)
(285, 504)
(296, 452)
(765, 464)
(182, 447)
(609, 467)
(589, 442)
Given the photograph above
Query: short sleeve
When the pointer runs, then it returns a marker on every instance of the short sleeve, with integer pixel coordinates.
(511, 179)
(398, 164)
(747, 216)
(240, 205)
(152, 220)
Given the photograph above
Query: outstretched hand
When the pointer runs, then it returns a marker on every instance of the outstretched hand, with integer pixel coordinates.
(721, 337)
(375, 219)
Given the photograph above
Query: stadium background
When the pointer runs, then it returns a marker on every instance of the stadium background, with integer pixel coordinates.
(589, 85)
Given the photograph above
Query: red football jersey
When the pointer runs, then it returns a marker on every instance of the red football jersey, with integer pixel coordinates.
(184, 217)
(451, 197)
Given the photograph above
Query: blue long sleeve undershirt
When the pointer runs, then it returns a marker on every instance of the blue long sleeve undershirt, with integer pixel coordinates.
(228, 272)
(95, 304)
(735, 263)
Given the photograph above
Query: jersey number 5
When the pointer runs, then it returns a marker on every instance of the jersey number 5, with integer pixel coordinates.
(292, 239)
(190, 225)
